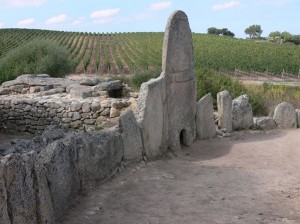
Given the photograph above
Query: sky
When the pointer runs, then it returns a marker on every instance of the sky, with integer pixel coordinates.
(150, 15)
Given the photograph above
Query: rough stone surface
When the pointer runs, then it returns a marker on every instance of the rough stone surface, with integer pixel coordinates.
(132, 136)
(285, 116)
(60, 160)
(224, 102)
(265, 123)
(114, 112)
(167, 118)
(81, 92)
(152, 116)
(242, 115)
(298, 117)
(109, 86)
(99, 153)
(205, 123)
(178, 70)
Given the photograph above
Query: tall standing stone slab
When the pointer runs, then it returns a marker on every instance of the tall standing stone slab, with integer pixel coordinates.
(285, 116)
(298, 117)
(224, 102)
(132, 136)
(205, 123)
(178, 70)
(152, 118)
(242, 115)
(167, 105)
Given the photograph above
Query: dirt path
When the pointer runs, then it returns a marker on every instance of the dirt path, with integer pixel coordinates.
(248, 178)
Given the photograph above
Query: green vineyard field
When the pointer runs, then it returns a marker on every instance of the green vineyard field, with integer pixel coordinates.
(126, 53)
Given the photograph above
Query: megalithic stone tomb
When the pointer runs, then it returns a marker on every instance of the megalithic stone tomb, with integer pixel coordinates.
(167, 105)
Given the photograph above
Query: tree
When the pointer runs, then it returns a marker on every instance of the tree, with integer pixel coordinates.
(213, 30)
(223, 32)
(254, 31)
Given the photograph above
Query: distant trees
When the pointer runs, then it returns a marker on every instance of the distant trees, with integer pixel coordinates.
(278, 37)
(254, 31)
(223, 32)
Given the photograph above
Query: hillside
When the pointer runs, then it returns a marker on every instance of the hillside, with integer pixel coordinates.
(125, 53)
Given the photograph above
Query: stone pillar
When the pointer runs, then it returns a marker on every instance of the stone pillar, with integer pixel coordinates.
(224, 102)
(178, 70)
(205, 123)
(167, 105)
(285, 116)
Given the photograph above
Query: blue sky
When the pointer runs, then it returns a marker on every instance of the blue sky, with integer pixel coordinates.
(150, 15)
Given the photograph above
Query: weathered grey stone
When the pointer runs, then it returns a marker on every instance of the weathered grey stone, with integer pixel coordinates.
(76, 116)
(224, 102)
(132, 136)
(105, 112)
(285, 116)
(95, 106)
(89, 121)
(178, 69)
(86, 107)
(152, 116)
(93, 81)
(99, 153)
(60, 160)
(109, 86)
(81, 92)
(75, 106)
(19, 182)
(4, 91)
(41, 80)
(265, 123)
(205, 123)
(165, 114)
(53, 91)
(4, 216)
(298, 117)
(242, 115)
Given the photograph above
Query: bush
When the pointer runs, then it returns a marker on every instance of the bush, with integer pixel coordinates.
(140, 77)
(36, 57)
(209, 82)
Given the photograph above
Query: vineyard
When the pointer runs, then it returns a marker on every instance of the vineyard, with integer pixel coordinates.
(128, 53)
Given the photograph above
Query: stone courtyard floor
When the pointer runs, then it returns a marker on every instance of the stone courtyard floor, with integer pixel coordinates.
(252, 177)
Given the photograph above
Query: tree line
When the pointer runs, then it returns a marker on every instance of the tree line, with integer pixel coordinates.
(255, 31)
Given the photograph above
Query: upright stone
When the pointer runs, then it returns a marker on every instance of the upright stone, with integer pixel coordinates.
(167, 105)
(151, 103)
(178, 70)
(285, 116)
(242, 115)
(205, 123)
(298, 117)
(224, 102)
(132, 136)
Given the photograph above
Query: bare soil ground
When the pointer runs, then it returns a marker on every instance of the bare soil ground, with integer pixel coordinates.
(252, 177)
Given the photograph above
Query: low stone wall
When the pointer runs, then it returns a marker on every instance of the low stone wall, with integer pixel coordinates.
(31, 113)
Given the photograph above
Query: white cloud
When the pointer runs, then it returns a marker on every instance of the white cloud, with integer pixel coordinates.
(57, 19)
(226, 5)
(160, 5)
(25, 23)
(104, 13)
(24, 3)
(1, 25)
